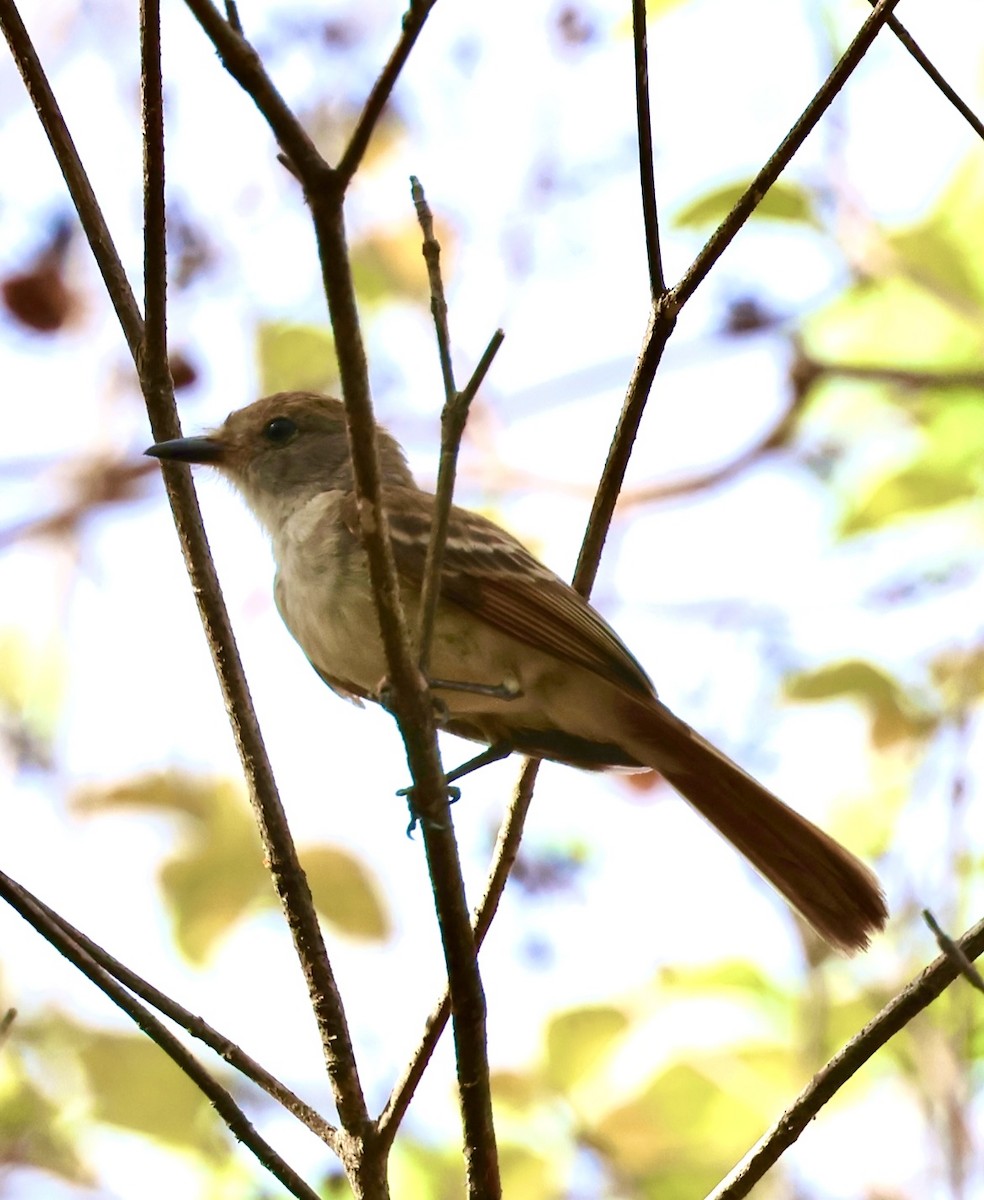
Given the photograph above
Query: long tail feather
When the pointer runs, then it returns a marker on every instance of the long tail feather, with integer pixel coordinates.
(836, 893)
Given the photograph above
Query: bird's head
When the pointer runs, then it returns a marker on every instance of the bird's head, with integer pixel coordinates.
(282, 450)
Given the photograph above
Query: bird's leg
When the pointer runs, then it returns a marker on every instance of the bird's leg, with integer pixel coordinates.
(495, 752)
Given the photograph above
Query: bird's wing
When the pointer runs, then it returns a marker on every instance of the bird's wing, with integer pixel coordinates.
(492, 575)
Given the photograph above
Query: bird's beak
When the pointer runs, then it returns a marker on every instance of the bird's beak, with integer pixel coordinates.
(190, 450)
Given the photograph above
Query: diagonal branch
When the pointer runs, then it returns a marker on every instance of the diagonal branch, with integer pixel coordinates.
(746, 204)
(910, 43)
(411, 701)
(289, 879)
(52, 931)
(831, 1078)
(667, 306)
(644, 138)
(413, 23)
(198, 1028)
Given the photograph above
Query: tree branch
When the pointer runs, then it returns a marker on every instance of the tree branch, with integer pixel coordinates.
(411, 701)
(413, 23)
(288, 878)
(830, 1079)
(228, 1050)
(644, 137)
(910, 43)
(52, 931)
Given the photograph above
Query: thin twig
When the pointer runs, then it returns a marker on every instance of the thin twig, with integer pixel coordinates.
(413, 23)
(506, 849)
(411, 702)
(644, 137)
(195, 1025)
(84, 198)
(954, 953)
(439, 306)
(412, 706)
(244, 65)
(288, 878)
(909, 42)
(230, 1112)
(667, 306)
(453, 418)
(722, 237)
(894, 1016)
(454, 415)
(232, 16)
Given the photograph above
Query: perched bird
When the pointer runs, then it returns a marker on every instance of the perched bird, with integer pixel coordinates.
(519, 660)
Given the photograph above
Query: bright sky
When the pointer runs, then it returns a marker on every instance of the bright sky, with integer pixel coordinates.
(494, 112)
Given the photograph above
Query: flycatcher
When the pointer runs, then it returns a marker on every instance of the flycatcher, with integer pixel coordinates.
(540, 671)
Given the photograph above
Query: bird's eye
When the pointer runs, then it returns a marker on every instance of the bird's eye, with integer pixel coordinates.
(279, 431)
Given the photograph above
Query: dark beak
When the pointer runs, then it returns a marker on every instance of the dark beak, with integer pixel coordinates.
(189, 450)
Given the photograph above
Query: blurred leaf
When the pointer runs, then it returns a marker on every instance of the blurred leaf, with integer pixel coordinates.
(32, 680)
(296, 358)
(33, 1128)
(419, 1172)
(217, 875)
(946, 468)
(166, 791)
(784, 201)
(579, 1040)
(942, 252)
(136, 1086)
(526, 1175)
(959, 676)
(521, 1090)
(389, 265)
(895, 715)
(345, 892)
(654, 10)
(685, 1115)
(728, 975)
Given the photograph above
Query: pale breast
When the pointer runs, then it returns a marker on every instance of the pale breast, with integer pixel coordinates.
(322, 592)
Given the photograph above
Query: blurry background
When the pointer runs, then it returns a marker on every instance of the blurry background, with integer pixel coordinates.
(797, 562)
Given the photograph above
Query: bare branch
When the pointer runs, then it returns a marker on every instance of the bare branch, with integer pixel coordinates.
(285, 868)
(667, 306)
(83, 197)
(244, 65)
(453, 418)
(778, 161)
(411, 701)
(52, 931)
(644, 137)
(503, 858)
(831, 1078)
(910, 43)
(413, 23)
(413, 709)
(205, 1033)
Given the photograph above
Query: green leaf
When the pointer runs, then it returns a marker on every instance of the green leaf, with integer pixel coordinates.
(784, 201)
(579, 1041)
(295, 358)
(942, 252)
(136, 1086)
(32, 680)
(946, 469)
(389, 265)
(345, 893)
(33, 1129)
(217, 874)
(895, 715)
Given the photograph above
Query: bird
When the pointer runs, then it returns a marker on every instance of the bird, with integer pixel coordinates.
(519, 661)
